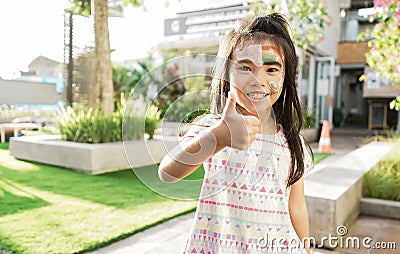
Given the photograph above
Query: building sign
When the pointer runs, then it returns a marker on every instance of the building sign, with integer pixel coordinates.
(213, 20)
(378, 87)
(175, 26)
(373, 81)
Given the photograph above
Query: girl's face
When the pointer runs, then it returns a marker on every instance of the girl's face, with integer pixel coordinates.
(256, 76)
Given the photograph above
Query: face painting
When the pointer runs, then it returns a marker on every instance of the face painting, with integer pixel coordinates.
(252, 53)
(257, 75)
(271, 55)
(262, 55)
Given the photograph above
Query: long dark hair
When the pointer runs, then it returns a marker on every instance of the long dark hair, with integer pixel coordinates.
(287, 108)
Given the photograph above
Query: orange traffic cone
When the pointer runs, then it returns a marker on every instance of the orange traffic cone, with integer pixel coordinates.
(324, 145)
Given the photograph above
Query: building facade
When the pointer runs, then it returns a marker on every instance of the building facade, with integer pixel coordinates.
(329, 72)
(363, 102)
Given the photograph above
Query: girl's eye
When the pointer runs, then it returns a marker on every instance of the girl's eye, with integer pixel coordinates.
(272, 70)
(244, 68)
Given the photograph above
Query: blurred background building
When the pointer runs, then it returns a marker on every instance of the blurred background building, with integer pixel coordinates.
(329, 73)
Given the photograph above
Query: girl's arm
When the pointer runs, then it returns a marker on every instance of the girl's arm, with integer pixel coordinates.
(298, 212)
(189, 155)
(233, 129)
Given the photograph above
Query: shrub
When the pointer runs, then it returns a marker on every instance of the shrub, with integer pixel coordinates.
(337, 116)
(125, 79)
(151, 121)
(309, 118)
(87, 125)
(84, 124)
(188, 107)
(356, 119)
(383, 180)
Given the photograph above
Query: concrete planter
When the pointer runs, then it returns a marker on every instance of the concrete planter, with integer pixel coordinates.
(333, 194)
(89, 158)
(310, 134)
(379, 207)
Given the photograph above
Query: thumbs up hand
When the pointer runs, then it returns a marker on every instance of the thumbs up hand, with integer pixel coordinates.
(236, 130)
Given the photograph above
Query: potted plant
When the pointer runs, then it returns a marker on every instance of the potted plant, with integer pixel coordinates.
(337, 117)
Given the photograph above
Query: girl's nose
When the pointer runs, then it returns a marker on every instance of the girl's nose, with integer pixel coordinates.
(257, 82)
(259, 79)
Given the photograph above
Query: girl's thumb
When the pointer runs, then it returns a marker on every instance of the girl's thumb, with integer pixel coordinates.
(230, 103)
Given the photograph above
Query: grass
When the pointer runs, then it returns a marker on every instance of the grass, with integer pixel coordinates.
(319, 157)
(46, 209)
(383, 180)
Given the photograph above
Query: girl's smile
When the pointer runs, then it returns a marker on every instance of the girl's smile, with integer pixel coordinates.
(257, 96)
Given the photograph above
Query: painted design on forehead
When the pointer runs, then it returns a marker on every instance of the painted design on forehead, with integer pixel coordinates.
(259, 54)
(252, 53)
(271, 54)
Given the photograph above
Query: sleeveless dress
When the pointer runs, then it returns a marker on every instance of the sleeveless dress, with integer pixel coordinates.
(243, 204)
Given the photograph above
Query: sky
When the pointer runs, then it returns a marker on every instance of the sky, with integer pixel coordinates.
(30, 28)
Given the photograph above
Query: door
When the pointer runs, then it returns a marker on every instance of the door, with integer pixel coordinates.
(325, 83)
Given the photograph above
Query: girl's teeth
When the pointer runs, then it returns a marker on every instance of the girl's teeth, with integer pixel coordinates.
(257, 96)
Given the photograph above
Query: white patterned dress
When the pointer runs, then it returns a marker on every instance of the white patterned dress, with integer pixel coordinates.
(243, 205)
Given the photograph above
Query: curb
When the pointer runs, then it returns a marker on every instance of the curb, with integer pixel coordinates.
(381, 208)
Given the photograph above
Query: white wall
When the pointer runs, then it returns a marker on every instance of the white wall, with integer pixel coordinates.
(25, 92)
(331, 33)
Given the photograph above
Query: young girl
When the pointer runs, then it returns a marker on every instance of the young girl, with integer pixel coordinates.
(252, 198)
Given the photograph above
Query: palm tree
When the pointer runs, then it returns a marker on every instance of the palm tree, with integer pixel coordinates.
(102, 79)
(101, 89)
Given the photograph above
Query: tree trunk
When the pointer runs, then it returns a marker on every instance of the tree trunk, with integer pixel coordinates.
(102, 82)
(94, 90)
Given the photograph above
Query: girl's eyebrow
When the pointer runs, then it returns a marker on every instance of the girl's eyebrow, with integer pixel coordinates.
(245, 61)
(273, 63)
(248, 61)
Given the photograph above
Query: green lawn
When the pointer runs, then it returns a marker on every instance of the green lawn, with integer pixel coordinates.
(47, 209)
(319, 157)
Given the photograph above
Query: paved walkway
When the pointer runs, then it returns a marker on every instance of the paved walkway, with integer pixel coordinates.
(371, 232)
(169, 237)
